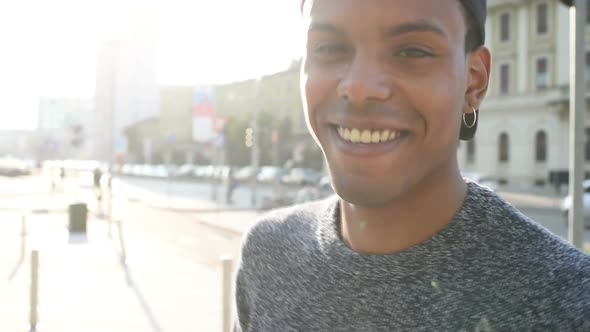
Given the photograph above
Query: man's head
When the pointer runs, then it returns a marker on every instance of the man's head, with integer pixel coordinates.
(396, 73)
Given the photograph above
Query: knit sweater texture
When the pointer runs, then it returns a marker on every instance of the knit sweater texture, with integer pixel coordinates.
(490, 269)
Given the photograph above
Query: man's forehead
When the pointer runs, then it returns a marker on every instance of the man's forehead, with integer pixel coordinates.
(386, 15)
(397, 5)
(411, 9)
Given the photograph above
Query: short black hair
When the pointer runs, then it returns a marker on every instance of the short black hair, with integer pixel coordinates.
(472, 37)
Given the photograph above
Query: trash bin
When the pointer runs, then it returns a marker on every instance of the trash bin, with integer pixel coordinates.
(78, 214)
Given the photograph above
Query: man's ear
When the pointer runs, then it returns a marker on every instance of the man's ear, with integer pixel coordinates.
(479, 65)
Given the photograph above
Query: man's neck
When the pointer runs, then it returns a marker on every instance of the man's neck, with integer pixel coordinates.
(409, 220)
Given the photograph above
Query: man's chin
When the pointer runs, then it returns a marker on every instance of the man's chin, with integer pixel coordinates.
(365, 197)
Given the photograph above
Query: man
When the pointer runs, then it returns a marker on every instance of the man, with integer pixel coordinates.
(389, 87)
(96, 176)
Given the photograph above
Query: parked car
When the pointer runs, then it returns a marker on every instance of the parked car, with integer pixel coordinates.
(481, 179)
(202, 172)
(270, 174)
(220, 172)
(160, 171)
(302, 176)
(126, 169)
(246, 174)
(15, 167)
(567, 203)
(185, 171)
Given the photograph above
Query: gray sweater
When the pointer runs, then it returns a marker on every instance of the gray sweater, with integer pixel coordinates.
(490, 269)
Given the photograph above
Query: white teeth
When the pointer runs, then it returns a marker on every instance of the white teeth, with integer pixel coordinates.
(355, 136)
(384, 135)
(376, 137)
(346, 134)
(367, 136)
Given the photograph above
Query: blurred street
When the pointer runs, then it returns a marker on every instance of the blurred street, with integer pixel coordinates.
(172, 280)
(174, 236)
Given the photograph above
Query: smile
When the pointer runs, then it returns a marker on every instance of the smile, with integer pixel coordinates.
(368, 136)
(365, 142)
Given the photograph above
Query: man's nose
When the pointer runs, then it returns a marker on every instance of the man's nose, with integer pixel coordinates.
(363, 81)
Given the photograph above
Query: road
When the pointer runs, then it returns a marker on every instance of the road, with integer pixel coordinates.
(542, 211)
(202, 190)
(15, 192)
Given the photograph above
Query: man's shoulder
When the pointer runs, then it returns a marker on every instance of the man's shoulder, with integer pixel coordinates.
(508, 235)
(278, 226)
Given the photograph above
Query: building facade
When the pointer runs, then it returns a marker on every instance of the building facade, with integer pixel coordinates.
(66, 129)
(127, 91)
(275, 100)
(523, 134)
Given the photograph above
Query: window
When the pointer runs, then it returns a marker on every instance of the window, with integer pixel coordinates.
(587, 67)
(542, 79)
(541, 146)
(587, 145)
(504, 79)
(471, 151)
(503, 148)
(505, 27)
(542, 20)
(587, 11)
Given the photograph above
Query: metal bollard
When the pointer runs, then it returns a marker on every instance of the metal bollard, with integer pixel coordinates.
(34, 317)
(226, 267)
(110, 220)
(23, 233)
(122, 243)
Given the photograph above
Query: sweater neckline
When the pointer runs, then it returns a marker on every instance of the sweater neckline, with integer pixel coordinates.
(418, 259)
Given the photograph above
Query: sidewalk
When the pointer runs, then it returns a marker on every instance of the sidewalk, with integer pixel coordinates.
(84, 286)
(81, 285)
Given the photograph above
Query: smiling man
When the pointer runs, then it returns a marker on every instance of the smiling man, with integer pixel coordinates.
(390, 86)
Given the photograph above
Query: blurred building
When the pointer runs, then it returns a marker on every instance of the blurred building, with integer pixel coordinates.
(176, 109)
(523, 130)
(275, 100)
(127, 91)
(168, 138)
(67, 129)
(18, 144)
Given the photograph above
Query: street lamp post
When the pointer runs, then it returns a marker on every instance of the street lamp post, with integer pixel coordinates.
(577, 110)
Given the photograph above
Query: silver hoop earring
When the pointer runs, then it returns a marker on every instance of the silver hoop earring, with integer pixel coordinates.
(473, 123)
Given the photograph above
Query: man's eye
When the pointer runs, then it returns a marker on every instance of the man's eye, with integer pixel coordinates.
(413, 53)
(331, 49)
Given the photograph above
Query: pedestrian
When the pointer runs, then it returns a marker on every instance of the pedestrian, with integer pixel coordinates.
(96, 176)
(231, 184)
(389, 88)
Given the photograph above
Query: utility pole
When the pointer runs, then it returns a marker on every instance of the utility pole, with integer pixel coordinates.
(276, 161)
(255, 152)
(577, 112)
(254, 158)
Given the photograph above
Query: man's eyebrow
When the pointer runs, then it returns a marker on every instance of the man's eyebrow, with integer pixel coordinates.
(395, 31)
(419, 26)
(325, 27)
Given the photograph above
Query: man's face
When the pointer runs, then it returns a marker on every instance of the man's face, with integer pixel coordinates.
(384, 85)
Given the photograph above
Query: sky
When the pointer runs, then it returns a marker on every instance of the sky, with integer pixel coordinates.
(48, 47)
